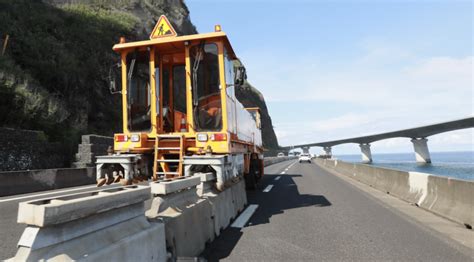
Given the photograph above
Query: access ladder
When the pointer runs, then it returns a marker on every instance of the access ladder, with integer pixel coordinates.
(168, 157)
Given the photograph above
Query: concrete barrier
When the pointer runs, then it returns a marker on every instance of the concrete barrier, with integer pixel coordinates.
(273, 160)
(194, 212)
(225, 205)
(111, 224)
(106, 225)
(445, 196)
(20, 182)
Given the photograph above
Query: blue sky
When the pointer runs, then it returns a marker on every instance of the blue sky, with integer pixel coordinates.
(337, 69)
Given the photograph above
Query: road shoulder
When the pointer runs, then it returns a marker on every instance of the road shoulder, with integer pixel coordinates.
(461, 238)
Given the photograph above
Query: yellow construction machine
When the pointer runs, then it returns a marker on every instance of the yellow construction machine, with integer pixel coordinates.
(180, 112)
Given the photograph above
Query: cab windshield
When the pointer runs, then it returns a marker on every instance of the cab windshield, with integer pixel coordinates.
(205, 84)
(138, 91)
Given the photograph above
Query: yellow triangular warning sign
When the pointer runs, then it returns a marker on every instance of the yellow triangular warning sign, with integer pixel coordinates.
(163, 28)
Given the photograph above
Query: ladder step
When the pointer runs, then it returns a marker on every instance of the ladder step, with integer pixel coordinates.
(169, 148)
(167, 173)
(169, 160)
(169, 136)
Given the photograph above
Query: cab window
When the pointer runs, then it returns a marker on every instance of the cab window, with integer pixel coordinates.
(138, 91)
(205, 84)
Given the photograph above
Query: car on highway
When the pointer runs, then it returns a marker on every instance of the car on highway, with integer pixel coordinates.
(305, 157)
(280, 154)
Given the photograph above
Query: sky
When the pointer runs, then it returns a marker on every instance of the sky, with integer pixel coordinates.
(345, 68)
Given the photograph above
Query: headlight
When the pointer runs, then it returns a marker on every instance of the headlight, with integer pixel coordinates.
(135, 138)
(202, 137)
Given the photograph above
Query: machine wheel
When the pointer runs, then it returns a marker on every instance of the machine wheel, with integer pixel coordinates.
(171, 252)
(251, 179)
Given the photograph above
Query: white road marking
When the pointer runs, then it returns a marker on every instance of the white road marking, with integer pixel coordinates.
(277, 178)
(245, 216)
(288, 167)
(268, 188)
(292, 164)
(49, 193)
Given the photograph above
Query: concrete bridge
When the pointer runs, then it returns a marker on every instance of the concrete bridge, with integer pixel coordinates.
(418, 137)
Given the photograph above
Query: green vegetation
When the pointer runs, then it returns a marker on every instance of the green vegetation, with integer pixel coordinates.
(53, 76)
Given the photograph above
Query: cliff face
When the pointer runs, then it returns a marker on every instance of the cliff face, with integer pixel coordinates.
(249, 96)
(145, 12)
(53, 76)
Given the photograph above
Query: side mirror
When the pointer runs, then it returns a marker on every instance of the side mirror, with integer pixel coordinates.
(240, 76)
(115, 78)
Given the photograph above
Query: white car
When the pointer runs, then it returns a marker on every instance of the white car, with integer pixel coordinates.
(305, 158)
(280, 155)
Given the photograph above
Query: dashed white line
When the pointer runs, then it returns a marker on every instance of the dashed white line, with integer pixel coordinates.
(268, 188)
(288, 167)
(292, 164)
(277, 178)
(244, 217)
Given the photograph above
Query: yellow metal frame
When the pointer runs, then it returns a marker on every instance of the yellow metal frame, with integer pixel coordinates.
(218, 38)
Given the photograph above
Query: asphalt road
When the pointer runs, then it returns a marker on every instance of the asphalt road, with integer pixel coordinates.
(312, 215)
(308, 215)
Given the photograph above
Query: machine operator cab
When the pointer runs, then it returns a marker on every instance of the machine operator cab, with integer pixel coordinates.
(172, 84)
(179, 110)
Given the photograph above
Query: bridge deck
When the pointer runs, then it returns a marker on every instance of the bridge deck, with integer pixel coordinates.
(417, 132)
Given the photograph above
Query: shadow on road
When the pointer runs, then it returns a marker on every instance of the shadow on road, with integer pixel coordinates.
(283, 196)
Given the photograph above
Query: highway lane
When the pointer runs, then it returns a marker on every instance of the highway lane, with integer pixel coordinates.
(312, 215)
(10, 231)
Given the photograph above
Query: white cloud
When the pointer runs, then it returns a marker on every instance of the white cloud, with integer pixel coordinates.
(444, 68)
(385, 89)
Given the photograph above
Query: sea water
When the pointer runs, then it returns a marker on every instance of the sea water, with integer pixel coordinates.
(452, 164)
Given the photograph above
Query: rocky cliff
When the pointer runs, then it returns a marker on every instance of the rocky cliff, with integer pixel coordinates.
(249, 96)
(53, 75)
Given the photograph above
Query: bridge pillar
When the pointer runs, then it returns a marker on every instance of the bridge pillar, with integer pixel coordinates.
(306, 149)
(366, 154)
(421, 150)
(328, 151)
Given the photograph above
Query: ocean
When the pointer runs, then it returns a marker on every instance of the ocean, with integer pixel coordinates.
(451, 164)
